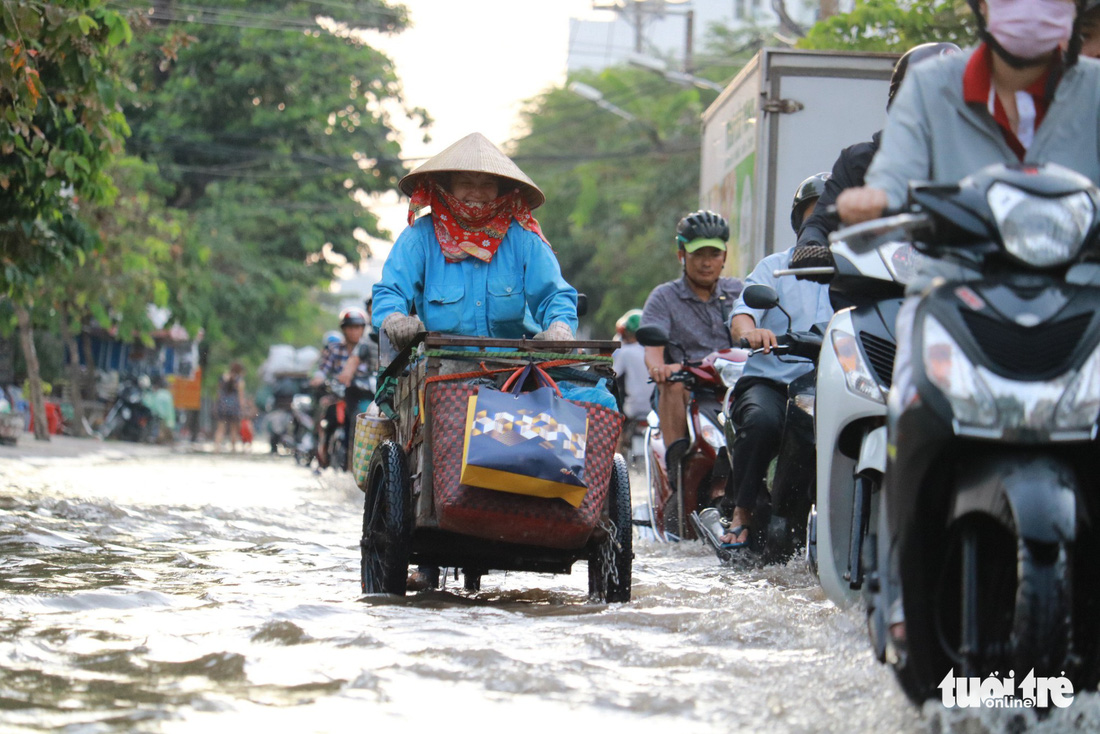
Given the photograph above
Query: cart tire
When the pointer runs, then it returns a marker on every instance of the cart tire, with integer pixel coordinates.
(610, 562)
(471, 580)
(387, 523)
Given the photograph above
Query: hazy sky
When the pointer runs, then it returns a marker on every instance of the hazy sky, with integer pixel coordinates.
(470, 64)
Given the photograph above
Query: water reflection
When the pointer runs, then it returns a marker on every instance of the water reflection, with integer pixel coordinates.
(185, 593)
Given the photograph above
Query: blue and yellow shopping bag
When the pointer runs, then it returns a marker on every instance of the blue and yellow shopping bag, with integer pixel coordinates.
(530, 443)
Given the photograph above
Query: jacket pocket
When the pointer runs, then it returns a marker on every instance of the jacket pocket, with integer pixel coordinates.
(507, 303)
(444, 307)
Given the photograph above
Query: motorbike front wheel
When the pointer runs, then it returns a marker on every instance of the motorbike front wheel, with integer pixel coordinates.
(1000, 603)
(338, 450)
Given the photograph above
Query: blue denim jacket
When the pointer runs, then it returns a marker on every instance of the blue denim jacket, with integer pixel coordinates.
(517, 294)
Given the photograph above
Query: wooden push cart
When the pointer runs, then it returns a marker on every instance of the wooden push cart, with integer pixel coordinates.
(417, 511)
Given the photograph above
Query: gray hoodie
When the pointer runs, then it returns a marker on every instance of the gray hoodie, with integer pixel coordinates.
(932, 134)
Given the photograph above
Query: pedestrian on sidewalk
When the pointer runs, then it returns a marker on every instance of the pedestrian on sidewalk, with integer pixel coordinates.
(228, 409)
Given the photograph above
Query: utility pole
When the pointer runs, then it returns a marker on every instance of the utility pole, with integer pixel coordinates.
(635, 11)
(689, 42)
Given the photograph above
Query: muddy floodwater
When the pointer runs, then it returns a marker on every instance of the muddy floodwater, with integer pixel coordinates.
(170, 592)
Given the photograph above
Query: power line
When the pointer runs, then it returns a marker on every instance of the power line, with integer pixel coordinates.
(207, 15)
(638, 154)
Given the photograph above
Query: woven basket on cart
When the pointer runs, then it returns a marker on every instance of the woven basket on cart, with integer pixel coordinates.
(370, 430)
(514, 518)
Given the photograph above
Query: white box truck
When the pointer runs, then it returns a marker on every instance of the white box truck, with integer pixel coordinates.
(784, 117)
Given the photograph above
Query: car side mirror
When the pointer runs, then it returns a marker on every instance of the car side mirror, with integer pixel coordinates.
(760, 296)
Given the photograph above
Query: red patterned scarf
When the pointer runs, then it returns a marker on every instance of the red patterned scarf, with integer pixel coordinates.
(464, 229)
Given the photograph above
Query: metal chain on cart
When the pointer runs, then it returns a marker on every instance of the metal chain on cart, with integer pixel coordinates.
(607, 554)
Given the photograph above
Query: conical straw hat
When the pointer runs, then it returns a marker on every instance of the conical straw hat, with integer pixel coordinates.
(475, 154)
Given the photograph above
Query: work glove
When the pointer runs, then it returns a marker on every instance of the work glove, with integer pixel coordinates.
(813, 256)
(401, 329)
(558, 331)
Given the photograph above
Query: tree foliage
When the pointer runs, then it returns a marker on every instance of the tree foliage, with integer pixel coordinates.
(140, 245)
(60, 125)
(270, 124)
(889, 25)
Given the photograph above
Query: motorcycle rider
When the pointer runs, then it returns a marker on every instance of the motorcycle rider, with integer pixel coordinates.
(760, 396)
(1017, 97)
(694, 311)
(849, 171)
(353, 322)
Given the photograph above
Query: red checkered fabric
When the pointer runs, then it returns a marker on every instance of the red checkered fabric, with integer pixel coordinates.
(514, 518)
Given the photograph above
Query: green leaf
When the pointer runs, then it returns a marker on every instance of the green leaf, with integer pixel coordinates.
(160, 293)
(86, 24)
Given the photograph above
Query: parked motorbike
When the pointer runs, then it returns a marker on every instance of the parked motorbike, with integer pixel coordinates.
(128, 419)
(783, 511)
(362, 392)
(705, 467)
(983, 558)
(853, 378)
(291, 429)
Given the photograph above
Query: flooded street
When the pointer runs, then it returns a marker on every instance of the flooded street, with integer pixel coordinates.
(182, 592)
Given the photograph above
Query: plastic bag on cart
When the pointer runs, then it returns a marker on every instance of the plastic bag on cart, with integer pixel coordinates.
(598, 393)
(530, 443)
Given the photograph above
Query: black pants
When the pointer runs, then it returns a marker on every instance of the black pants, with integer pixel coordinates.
(758, 413)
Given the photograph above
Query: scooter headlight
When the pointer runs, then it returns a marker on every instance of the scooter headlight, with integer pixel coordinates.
(948, 368)
(857, 375)
(1079, 407)
(1042, 232)
(302, 402)
(712, 434)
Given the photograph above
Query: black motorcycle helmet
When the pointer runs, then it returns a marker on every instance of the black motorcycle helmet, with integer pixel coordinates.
(352, 317)
(809, 190)
(702, 224)
(914, 56)
(1072, 53)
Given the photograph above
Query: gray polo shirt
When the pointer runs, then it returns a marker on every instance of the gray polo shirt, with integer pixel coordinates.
(699, 327)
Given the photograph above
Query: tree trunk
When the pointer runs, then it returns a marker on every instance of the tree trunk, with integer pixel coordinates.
(829, 8)
(38, 402)
(75, 377)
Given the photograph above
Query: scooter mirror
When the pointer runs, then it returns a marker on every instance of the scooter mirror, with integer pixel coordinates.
(651, 336)
(582, 305)
(759, 296)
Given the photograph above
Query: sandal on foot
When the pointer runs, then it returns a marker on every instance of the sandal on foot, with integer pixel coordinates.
(735, 532)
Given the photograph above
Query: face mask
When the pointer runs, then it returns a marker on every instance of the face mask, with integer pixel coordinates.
(1031, 29)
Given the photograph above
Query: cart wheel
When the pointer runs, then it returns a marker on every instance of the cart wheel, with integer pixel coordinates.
(471, 579)
(387, 523)
(610, 561)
